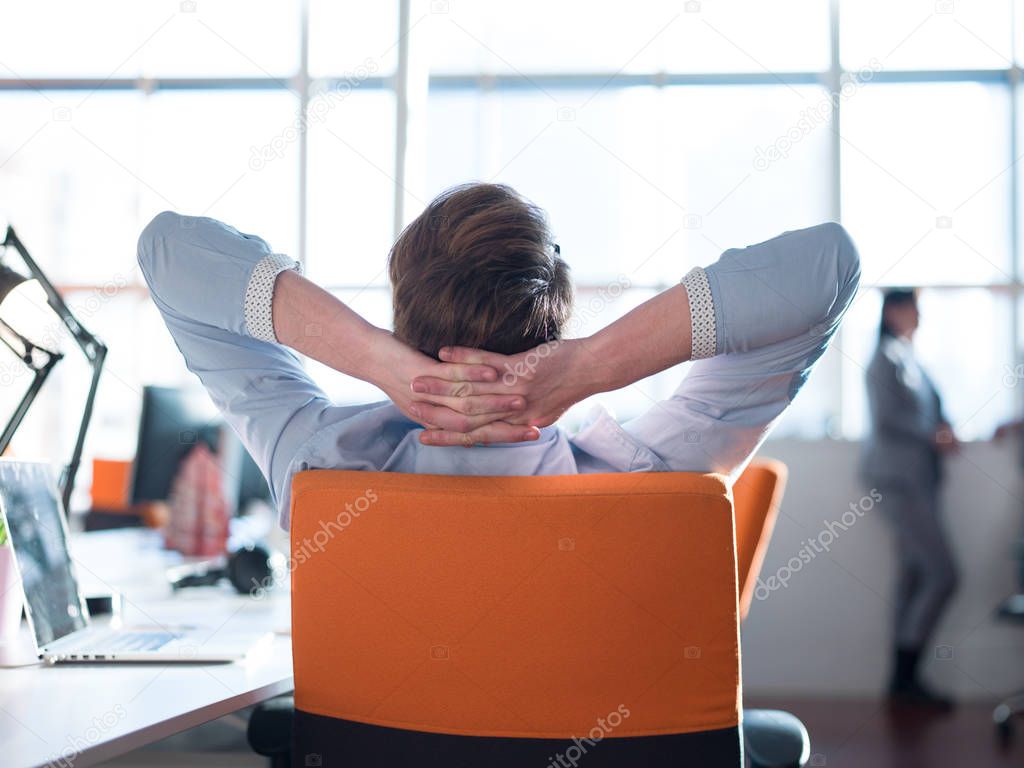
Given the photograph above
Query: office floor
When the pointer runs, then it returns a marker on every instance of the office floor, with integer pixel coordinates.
(854, 734)
(844, 734)
(218, 744)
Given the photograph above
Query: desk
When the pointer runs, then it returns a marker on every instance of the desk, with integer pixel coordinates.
(88, 714)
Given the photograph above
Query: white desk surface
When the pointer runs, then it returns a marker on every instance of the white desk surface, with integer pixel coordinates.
(90, 713)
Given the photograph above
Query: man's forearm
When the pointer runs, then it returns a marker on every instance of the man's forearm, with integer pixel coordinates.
(317, 324)
(654, 336)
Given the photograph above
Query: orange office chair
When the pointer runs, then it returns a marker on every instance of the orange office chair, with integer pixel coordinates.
(772, 737)
(491, 621)
(511, 621)
(757, 495)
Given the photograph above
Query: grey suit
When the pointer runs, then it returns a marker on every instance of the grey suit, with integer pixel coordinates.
(900, 460)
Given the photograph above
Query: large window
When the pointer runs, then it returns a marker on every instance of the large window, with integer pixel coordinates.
(656, 135)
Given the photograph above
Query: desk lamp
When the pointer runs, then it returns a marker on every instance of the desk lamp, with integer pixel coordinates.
(41, 360)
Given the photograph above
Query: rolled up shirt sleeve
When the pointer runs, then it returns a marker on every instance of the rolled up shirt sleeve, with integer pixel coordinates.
(773, 310)
(214, 288)
(703, 325)
(259, 295)
(794, 286)
(211, 272)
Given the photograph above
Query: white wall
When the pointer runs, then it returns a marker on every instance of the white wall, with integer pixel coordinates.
(827, 632)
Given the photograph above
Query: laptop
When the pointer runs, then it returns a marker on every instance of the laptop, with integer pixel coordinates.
(33, 513)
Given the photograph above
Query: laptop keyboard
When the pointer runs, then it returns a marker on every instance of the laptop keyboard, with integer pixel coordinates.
(134, 641)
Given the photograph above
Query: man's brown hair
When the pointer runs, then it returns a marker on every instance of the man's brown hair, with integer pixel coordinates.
(478, 269)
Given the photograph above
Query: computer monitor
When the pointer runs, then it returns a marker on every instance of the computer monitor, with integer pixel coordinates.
(253, 486)
(173, 421)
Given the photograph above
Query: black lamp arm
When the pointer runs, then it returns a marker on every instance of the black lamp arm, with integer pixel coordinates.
(67, 481)
(95, 352)
(29, 354)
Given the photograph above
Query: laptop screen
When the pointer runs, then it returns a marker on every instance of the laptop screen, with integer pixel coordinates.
(35, 524)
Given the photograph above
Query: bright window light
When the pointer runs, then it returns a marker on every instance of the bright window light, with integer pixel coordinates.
(655, 133)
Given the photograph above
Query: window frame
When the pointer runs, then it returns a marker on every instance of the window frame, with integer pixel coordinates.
(411, 77)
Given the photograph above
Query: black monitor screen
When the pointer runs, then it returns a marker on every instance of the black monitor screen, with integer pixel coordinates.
(173, 421)
(254, 485)
(35, 524)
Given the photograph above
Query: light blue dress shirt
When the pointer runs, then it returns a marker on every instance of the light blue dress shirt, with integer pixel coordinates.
(776, 306)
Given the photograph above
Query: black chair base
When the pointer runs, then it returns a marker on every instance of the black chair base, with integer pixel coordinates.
(773, 739)
(270, 730)
(1003, 716)
(326, 742)
(1012, 610)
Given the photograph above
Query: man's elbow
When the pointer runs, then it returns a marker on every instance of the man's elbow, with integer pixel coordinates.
(840, 246)
(161, 229)
(835, 272)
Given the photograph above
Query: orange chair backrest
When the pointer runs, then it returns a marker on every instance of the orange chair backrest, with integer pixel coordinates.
(516, 606)
(757, 495)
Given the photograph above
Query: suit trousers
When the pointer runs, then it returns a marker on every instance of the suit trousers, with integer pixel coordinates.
(926, 572)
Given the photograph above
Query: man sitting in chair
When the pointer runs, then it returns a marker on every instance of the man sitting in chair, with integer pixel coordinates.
(477, 357)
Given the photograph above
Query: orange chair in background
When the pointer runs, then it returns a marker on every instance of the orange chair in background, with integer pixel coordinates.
(111, 480)
(507, 621)
(111, 499)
